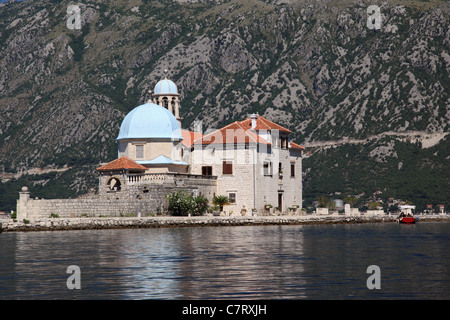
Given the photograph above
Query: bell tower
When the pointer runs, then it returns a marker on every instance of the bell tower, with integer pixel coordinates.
(166, 95)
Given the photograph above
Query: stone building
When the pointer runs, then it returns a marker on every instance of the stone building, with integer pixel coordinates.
(253, 162)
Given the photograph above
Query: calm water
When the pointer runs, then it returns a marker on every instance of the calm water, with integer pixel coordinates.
(272, 262)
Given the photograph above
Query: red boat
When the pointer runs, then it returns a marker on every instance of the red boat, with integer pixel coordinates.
(408, 220)
(407, 215)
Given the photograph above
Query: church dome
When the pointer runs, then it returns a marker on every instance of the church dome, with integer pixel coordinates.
(150, 121)
(166, 86)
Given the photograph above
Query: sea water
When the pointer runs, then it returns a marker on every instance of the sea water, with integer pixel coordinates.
(245, 262)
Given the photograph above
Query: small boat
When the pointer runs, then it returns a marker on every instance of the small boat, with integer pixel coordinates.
(407, 215)
(407, 219)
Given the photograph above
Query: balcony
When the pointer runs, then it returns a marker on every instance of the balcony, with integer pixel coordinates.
(160, 178)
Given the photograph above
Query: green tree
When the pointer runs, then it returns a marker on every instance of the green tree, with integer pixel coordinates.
(323, 202)
(350, 200)
(374, 205)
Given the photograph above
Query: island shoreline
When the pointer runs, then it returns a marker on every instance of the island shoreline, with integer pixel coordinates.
(98, 223)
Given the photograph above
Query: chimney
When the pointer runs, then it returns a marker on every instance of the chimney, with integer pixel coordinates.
(254, 117)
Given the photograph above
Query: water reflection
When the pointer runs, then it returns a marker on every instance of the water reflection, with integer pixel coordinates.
(272, 262)
(235, 263)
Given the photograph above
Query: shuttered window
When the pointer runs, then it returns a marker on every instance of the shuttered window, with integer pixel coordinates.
(227, 167)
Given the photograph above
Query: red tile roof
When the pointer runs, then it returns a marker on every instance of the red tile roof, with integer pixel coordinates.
(296, 146)
(121, 164)
(230, 134)
(263, 124)
(239, 132)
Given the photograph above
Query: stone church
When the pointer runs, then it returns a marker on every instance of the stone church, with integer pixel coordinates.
(253, 162)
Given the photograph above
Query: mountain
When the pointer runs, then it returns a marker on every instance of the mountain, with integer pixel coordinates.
(350, 93)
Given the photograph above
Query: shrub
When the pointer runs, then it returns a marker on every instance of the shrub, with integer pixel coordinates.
(200, 207)
(182, 203)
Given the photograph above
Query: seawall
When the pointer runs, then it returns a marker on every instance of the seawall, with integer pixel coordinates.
(53, 224)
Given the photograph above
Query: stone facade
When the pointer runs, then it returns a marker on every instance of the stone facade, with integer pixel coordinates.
(256, 180)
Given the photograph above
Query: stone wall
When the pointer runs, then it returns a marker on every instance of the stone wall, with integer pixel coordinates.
(140, 199)
(322, 211)
(87, 207)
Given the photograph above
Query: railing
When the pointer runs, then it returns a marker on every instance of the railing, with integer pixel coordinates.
(145, 178)
(158, 178)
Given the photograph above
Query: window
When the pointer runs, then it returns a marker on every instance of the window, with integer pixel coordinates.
(114, 184)
(292, 169)
(284, 143)
(139, 151)
(280, 171)
(232, 197)
(267, 168)
(227, 167)
(207, 171)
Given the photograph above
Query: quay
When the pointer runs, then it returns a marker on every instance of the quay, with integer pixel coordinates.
(96, 223)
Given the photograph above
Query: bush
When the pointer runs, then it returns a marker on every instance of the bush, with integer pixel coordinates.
(201, 206)
(182, 203)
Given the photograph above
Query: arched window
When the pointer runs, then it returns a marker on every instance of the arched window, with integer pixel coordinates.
(114, 184)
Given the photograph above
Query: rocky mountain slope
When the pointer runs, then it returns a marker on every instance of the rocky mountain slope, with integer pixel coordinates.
(313, 66)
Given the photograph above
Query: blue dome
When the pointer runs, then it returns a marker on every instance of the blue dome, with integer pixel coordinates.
(150, 121)
(166, 86)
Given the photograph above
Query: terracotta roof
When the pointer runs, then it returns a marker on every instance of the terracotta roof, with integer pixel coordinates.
(296, 146)
(263, 124)
(230, 134)
(239, 132)
(121, 164)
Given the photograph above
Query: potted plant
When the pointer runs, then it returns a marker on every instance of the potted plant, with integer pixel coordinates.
(221, 201)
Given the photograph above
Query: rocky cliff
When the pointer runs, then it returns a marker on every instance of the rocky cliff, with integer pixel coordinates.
(313, 66)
